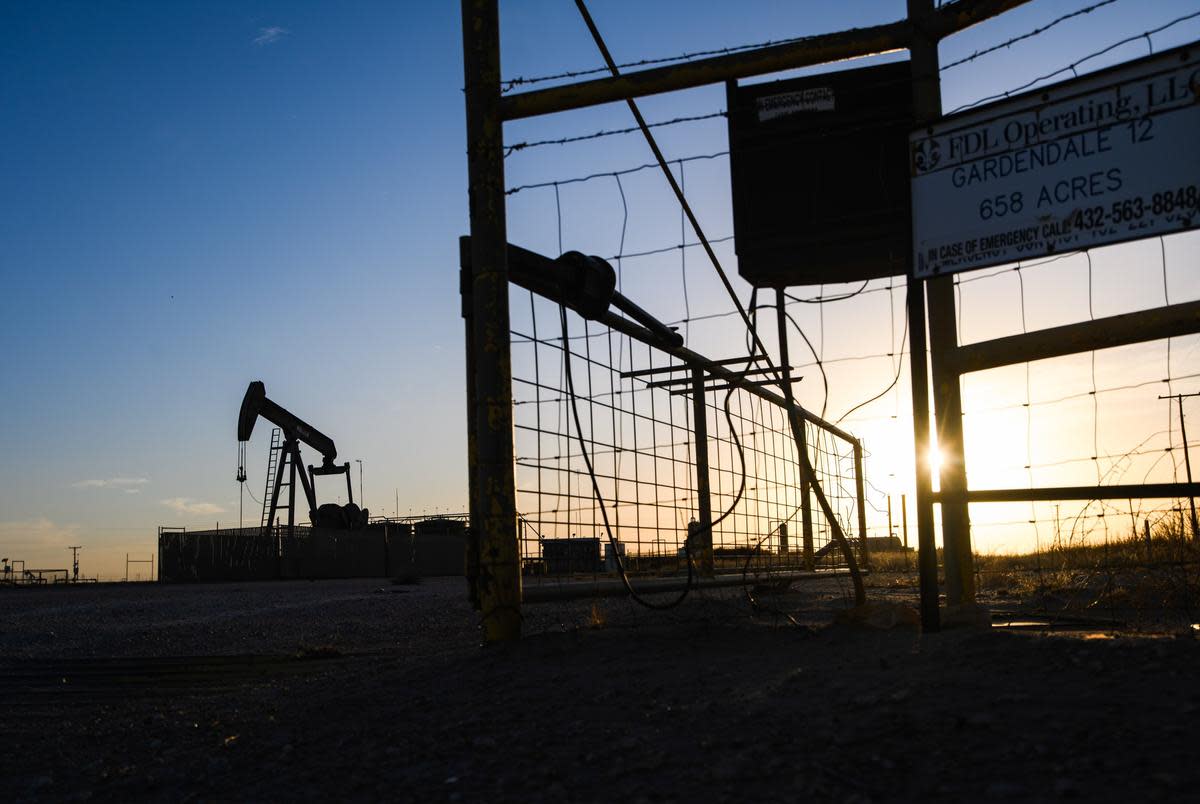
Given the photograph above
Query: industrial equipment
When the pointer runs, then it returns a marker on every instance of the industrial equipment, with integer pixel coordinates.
(296, 430)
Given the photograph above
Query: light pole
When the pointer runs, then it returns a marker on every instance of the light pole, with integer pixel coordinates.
(362, 497)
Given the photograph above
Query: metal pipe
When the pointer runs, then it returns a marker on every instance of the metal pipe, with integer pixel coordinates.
(806, 52)
(862, 506)
(1144, 491)
(806, 525)
(627, 327)
(947, 405)
(1084, 336)
(1187, 462)
(573, 590)
(743, 373)
(703, 492)
(924, 55)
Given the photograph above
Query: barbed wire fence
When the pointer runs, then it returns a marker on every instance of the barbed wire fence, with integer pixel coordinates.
(1066, 560)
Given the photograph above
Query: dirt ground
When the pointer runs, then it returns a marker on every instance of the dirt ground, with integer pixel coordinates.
(368, 690)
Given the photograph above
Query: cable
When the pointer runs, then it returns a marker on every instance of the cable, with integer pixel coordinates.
(666, 170)
(895, 379)
(599, 498)
(822, 299)
(806, 467)
(820, 364)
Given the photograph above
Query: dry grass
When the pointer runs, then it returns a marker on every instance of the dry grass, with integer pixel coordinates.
(1126, 577)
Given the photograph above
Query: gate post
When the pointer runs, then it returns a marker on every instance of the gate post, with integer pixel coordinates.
(493, 484)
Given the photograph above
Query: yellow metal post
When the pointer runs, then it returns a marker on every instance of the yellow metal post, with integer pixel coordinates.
(493, 489)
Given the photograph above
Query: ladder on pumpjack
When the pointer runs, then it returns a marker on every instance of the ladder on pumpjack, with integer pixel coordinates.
(272, 466)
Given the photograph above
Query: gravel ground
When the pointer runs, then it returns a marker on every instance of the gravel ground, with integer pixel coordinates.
(368, 690)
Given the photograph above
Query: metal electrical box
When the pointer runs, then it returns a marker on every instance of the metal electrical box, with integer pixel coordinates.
(820, 176)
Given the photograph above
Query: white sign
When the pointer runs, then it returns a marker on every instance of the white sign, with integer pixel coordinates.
(817, 99)
(1110, 157)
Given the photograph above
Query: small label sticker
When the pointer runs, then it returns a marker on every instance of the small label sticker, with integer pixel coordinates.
(817, 99)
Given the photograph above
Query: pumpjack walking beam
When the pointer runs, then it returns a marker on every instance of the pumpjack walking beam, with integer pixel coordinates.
(493, 484)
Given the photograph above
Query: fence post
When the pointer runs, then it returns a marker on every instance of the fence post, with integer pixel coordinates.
(862, 504)
(704, 526)
(495, 504)
(926, 104)
(806, 524)
(943, 340)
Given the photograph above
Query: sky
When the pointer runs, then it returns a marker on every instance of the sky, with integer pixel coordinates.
(197, 195)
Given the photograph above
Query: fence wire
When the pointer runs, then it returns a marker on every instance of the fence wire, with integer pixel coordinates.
(638, 418)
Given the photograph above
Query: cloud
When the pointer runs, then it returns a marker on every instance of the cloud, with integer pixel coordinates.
(129, 484)
(186, 505)
(35, 534)
(271, 35)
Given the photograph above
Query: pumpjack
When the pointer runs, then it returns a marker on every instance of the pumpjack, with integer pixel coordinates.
(296, 430)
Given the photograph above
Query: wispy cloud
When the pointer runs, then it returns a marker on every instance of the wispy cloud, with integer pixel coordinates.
(186, 505)
(36, 533)
(128, 484)
(271, 35)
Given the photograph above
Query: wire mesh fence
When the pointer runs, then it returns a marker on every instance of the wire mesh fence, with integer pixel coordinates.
(1093, 419)
(632, 459)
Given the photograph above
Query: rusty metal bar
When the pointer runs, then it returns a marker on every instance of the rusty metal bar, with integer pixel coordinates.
(493, 505)
(806, 528)
(574, 590)
(742, 385)
(704, 522)
(743, 373)
(807, 52)
(729, 361)
(690, 359)
(1101, 333)
(957, 554)
(1144, 491)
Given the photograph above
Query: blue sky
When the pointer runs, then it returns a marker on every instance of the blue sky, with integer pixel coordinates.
(196, 195)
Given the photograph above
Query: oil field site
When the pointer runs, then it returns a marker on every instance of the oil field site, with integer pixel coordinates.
(773, 404)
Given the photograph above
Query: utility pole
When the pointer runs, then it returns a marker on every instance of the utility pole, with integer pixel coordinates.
(75, 561)
(1187, 461)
